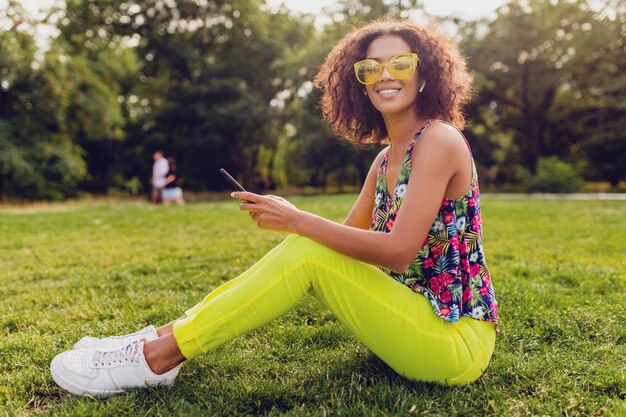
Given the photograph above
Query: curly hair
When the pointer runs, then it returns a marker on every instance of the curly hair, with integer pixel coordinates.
(351, 114)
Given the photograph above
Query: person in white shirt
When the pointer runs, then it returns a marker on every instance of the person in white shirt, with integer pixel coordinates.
(159, 173)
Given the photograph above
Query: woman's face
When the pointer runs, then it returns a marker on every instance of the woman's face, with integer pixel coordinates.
(388, 95)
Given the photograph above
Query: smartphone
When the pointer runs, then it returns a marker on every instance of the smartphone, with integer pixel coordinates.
(231, 180)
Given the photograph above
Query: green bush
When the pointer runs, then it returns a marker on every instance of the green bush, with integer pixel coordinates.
(32, 166)
(554, 176)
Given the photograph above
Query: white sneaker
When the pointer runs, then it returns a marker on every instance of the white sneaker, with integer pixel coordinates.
(101, 373)
(111, 342)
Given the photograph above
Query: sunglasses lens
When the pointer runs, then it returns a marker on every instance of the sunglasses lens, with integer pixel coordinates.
(402, 67)
(368, 71)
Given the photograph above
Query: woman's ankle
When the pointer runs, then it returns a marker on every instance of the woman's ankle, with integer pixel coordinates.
(167, 328)
(162, 354)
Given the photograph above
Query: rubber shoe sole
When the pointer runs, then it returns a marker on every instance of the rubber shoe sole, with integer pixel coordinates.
(74, 389)
(100, 394)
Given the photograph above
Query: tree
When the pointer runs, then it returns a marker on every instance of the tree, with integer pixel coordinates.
(37, 156)
(545, 78)
(597, 98)
(207, 76)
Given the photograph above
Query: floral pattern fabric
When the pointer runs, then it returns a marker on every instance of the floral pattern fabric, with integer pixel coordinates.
(450, 268)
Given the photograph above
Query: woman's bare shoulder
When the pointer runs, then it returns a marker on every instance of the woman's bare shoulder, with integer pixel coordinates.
(442, 132)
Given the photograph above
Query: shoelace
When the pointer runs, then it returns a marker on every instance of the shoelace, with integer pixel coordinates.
(129, 353)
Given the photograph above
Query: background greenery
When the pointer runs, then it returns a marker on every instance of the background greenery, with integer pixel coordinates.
(68, 270)
(227, 83)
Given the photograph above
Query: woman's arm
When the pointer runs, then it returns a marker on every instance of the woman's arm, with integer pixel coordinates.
(439, 154)
(169, 179)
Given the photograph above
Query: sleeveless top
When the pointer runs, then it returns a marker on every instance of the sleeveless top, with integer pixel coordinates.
(450, 268)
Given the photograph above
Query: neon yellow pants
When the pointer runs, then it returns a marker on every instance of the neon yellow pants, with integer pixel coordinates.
(395, 323)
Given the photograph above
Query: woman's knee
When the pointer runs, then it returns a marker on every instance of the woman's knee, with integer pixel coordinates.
(306, 249)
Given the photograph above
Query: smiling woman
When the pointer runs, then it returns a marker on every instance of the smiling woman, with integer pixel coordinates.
(444, 82)
(405, 271)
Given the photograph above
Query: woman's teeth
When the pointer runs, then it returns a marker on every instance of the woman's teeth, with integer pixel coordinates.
(388, 91)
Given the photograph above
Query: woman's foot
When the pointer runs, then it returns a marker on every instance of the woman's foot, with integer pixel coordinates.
(111, 342)
(104, 372)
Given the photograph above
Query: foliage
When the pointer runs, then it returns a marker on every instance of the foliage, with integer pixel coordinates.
(554, 176)
(102, 268)
(550, 81)
(37, 156)
(208, 74)
(49, 108)
(220, 83)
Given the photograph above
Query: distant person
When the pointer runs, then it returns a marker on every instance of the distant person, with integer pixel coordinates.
(405, 271)
(159, 172)
(172, 193)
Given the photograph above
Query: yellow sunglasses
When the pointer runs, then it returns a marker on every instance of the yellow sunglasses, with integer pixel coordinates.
(400, 66)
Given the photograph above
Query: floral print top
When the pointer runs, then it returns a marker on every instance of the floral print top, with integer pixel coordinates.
(450, 268)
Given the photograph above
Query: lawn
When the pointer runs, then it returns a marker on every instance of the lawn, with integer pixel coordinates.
(102, 268)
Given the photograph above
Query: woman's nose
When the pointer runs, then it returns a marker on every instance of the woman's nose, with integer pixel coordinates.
(386, 75)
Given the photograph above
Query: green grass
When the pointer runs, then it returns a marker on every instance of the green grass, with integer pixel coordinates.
(107, 268)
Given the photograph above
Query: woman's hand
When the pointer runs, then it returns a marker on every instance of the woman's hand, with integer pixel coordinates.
(269, 211)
